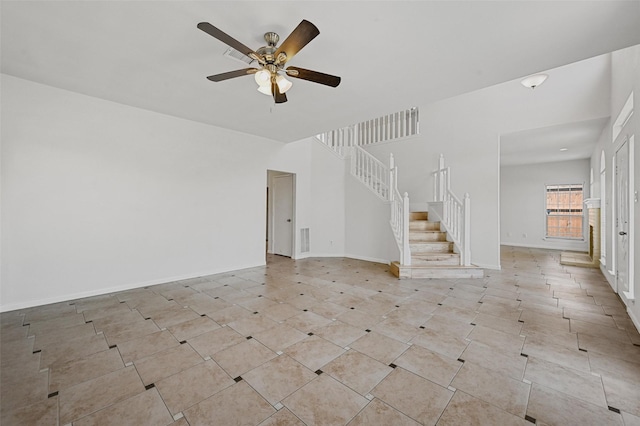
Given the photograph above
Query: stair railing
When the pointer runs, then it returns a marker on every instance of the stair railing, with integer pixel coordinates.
(340, 140)
(454, 215)
(370, 171)
(375, 175)
(395, 126)
(399, 215)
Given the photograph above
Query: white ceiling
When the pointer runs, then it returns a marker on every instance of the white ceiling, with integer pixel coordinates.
(563, 142)
(391, 55)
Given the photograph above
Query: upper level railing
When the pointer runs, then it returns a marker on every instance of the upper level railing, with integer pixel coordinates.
(454, 214)
(340, 140)
(388, 127)
(375, 175)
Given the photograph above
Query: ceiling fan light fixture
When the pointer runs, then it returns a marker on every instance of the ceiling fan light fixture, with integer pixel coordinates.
(265, 90)
(272, 59)
(263, 78)
(283, 83)
(534, 81)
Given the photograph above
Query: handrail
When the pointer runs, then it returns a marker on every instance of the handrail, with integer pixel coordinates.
(399, 215)
(373, 173)
(455, 214)
(389, 127)
(340, 140)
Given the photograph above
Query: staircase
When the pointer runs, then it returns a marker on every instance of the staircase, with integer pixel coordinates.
(432, 256)
(428, 249)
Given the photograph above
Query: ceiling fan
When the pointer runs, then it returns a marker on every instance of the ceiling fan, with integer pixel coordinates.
(272, 60)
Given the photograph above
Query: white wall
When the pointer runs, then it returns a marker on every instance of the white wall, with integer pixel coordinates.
(467, 129)
(474, 169)
(320, 195)
(327, 238)
(295, 158)
(368, 232)
(343, 216)
(523, 201)
(98, 196)
(625, 79)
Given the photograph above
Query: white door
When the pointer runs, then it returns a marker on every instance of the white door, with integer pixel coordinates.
(622, 218)
(283, 215)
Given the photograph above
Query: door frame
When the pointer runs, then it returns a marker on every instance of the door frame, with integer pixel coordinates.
(271, 175)
(629, 295)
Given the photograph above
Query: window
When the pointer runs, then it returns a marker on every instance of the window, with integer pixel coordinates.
(564, 211)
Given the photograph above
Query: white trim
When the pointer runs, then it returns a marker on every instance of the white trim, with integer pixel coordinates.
(488, 266)
(632, 196)
(546, 214)
(81, 295)
(400, 139)
(609, 276)
(328, 148)
(623, 118)
(547, 247)
(634, 319)
(592, 203)
(349, 256)
(367, 259)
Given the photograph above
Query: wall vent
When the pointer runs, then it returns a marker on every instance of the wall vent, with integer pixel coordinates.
(304, 240)
(234, 54)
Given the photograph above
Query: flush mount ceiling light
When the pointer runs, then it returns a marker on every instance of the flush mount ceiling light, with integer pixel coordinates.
(534, 81)
(564, 149)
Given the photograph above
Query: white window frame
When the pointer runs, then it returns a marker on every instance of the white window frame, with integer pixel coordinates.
(546, 214)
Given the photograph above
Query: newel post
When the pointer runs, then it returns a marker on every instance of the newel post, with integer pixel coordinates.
(406, 250)
(466, 238)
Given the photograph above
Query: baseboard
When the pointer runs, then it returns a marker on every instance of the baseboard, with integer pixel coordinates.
(309, 255)
(610, 278)
(368, 259)
(543, 246)
(350, 256)
(634, 319)
(487, 266)
(99, 292)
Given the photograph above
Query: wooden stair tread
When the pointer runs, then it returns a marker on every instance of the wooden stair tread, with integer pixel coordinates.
(436, 271)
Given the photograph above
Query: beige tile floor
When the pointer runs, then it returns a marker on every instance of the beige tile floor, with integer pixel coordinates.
(331, 342)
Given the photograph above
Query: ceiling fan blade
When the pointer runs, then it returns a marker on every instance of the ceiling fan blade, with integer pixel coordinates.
(278, 97)
(227, 39)
(232, 74)
(299, 38)
(315, 76)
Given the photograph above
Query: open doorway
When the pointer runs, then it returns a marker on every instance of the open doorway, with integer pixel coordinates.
(281, 213)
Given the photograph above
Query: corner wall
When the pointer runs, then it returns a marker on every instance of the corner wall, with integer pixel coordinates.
(98, 196)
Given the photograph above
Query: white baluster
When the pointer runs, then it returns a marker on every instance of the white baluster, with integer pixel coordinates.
(466, 239)
(406, 250)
